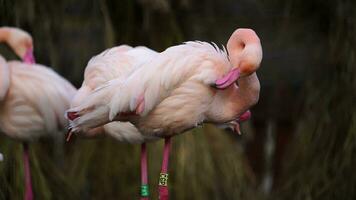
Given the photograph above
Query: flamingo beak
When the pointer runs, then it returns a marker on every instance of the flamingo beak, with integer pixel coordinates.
(244, 117)
(227, 80)
(234, 126)
(237, 128)
(29, 58)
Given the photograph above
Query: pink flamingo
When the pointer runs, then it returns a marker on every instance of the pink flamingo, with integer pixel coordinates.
(32, 97)
(173, 92)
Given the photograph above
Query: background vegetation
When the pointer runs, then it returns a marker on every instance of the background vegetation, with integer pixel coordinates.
(300, 143)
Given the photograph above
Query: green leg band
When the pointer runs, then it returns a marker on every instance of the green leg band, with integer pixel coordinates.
(145, 192)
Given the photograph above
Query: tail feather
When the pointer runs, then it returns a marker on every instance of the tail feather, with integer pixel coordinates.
(86, 120)
(94, 109)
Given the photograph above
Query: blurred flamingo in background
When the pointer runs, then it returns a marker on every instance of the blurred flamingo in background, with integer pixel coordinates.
(33, 97)
(116, 63)
(20, 41)
(177, 90)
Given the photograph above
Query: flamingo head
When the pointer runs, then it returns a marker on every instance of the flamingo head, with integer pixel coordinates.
(21, 42)
(245, 54)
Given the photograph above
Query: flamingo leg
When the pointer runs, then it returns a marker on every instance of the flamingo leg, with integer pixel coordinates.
(28, 182)
(163, 177)
(144, 175)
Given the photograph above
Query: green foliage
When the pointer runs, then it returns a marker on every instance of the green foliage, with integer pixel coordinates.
(324, 153)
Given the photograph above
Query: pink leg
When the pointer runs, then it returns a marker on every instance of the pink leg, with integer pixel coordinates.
(28, 182)
(163, 178)
(144, 177)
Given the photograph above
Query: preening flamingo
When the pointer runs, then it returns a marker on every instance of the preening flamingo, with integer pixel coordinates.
(33, 97)
(177, 90)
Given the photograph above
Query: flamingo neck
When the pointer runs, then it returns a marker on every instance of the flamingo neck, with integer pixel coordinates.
(4, 34)
(245, 51)
(246, 95)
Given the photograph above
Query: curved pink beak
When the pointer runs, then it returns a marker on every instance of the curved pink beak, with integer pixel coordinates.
(228, 79)
(29, 58)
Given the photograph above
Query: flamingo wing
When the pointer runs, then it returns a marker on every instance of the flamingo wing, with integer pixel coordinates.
(114, 63)
(148, 86)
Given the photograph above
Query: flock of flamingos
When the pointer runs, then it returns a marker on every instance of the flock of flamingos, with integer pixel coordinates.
(133, 94)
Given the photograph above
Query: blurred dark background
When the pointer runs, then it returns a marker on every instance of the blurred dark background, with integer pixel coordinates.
(299, 144)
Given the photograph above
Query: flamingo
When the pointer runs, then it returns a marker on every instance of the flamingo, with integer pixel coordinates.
(32, 97)
(177, 90)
